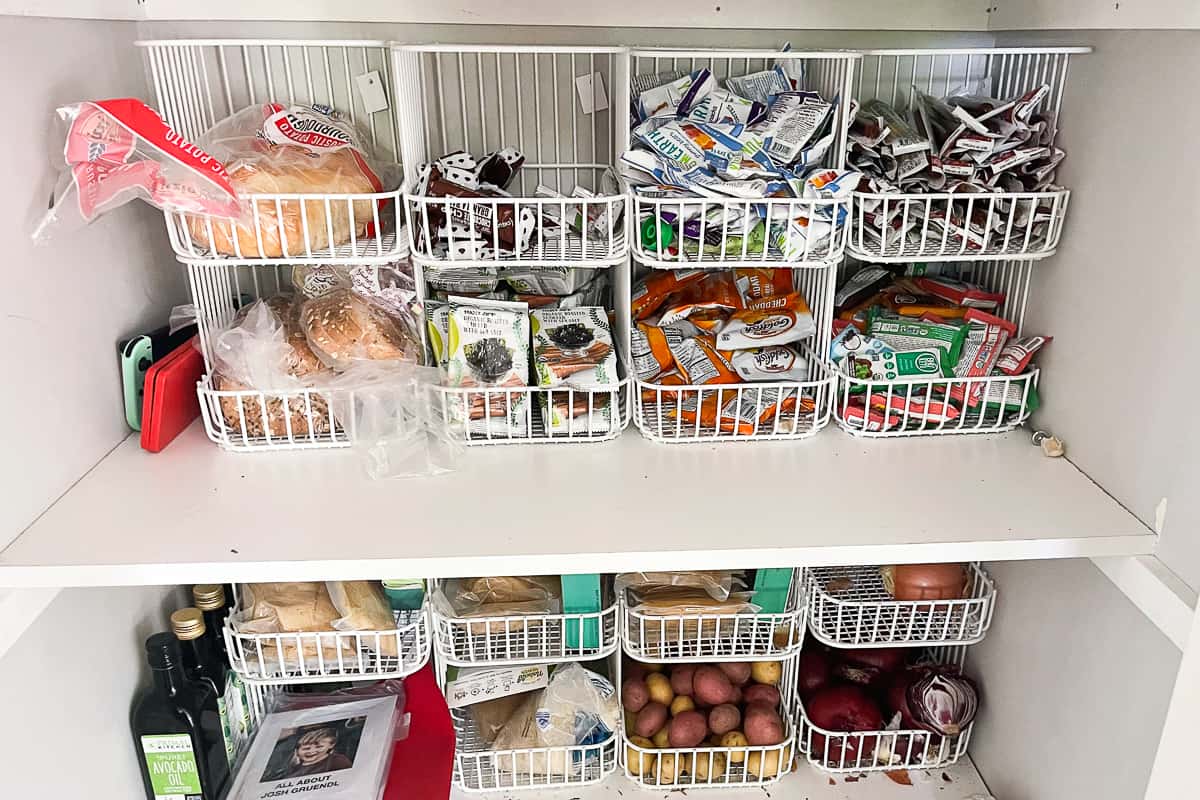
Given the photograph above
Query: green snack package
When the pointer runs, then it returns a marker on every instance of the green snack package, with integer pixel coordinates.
(912, 338)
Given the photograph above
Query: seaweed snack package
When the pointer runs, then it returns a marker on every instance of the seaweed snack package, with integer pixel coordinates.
(557, 281)
(573, 347)
(488, 347)
(577, 413)
(276, 149)
(770, 321)
(121, 150)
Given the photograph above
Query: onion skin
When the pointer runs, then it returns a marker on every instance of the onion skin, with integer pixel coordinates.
(943, 703)
(870, 666)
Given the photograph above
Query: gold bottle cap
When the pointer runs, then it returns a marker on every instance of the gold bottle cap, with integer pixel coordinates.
(188, 624)
(208, 596)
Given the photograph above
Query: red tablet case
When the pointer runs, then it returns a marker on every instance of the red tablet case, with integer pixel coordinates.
(423, 763)
(170, 403)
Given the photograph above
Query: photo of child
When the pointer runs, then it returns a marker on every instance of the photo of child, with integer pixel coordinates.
(315, 749)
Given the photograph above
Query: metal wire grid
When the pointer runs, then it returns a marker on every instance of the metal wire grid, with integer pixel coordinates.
(480, 98)
(715, 636)
(525, 638)
(688, 414)
(831, 75)
(198, 82)
(849, 607)
(530, 415)
(248, 420)
(322, 656)
(702, 767)
(478, 768)
(876, 751)
(944, 226)
(1004, 401)
(890, 75)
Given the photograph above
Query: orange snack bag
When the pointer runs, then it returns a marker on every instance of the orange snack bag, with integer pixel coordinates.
(709, 298)
(755, 411)
(756, 283)
(699, 362)
(650, 292)
(652, 349)
(672, 378)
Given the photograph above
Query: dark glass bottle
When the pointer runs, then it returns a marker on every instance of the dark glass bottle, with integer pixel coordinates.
(211, 599)
(199, 664)
(177, 730)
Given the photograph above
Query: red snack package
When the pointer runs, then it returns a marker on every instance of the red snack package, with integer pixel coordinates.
(960, 293)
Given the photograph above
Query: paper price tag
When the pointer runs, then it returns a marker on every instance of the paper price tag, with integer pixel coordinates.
(370, 89)
(592, 96)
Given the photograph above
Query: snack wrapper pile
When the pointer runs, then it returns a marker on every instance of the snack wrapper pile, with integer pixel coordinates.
(962, 144)
(757, 137)
(473, 231)
(697, 328)
(911, 333)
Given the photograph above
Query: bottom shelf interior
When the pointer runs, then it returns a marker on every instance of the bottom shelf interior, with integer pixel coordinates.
(960, 781)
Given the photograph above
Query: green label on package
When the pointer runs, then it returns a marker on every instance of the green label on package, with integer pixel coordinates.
(172, 766)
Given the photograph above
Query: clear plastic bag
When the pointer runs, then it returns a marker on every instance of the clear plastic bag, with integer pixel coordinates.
(395, 422)
(523, 598)
(364, 607)
(277, 149)
(344, 327)
(121, 150)
(393, 687)
(717, 583)
(298, 607)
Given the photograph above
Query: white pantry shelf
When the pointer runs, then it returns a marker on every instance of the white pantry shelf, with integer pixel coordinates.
(195, 513)
(957, 782)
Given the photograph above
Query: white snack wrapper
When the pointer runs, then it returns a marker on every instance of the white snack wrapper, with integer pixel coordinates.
(774, 363)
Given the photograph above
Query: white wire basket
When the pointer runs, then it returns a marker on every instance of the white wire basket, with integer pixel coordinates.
(715, 637)
(248, 420)
(561, 107)
(735, 413)
(915, 226)
(830, 74)
(525, 638)
(849, 607)
(531, 415)
(478, 768)
(323, 656)
(917, 408)
(714, 767)
(878, 751)
(199, 82)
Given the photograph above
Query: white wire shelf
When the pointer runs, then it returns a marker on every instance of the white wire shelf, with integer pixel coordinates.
(465, 232)
(525, 638)
(713, 636)
(247, 420)
(478, 768)
(662, 224)
(892, 227)
(532, 415)
(687, 768)
(919, 408)
(296, 229)
(877, 751)
(849, 607)
(322, 656)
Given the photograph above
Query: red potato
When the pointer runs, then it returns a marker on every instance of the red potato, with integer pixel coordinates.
(650, 720)
(681, 679)
(634, 694)
(763, 725)
(633, 669)
(738, 672)
(724, 718)
(688, 729)
(761, 693)
(711, 686)
(736, 698)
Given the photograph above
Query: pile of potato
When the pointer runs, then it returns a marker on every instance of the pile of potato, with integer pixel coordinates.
(697, 706)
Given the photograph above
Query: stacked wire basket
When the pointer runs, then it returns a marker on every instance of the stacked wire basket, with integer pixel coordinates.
(478, 99)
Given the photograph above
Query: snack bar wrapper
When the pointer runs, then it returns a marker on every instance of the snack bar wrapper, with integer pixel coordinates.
(120, 150)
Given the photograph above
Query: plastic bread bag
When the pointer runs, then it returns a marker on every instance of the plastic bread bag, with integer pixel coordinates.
(345, 327)
(364, 607)
(276, 149)
(397, 424)
(480, 598)
(288, 609)
(472, 592)
(716, 583)
(121, 150)
(578, 708)
(389, 285)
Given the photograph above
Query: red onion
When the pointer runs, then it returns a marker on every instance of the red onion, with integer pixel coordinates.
(868, 667)
(814, 672)
(943, 703)
(845, 709)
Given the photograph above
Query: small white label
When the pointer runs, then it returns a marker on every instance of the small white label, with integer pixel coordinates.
(592, 96)
(474, 685)
(370, 88)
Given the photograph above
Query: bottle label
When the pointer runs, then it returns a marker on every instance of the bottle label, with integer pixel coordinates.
(172, 767)
(235, 718)
(226, 729)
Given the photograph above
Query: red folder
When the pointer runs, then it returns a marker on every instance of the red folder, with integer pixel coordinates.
(423, 763)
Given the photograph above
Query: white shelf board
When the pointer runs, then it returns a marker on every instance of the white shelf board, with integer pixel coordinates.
(195, 513)
(958, 782)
